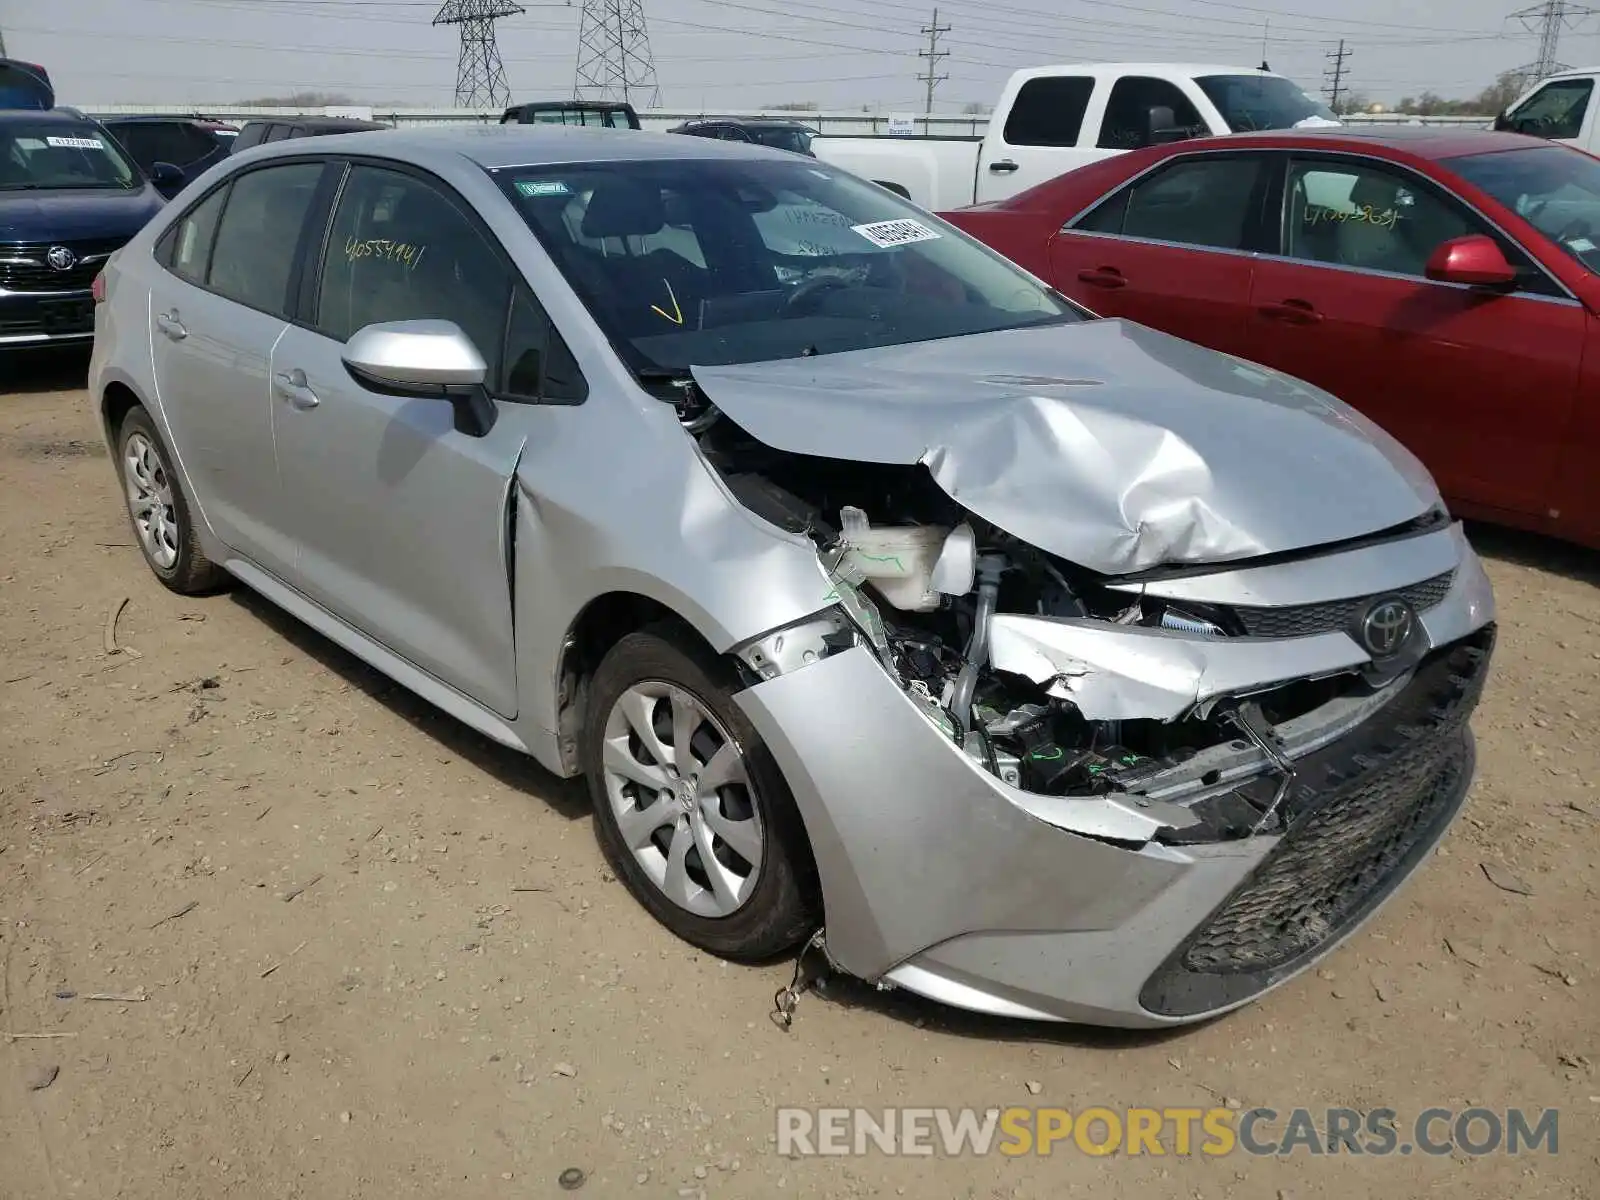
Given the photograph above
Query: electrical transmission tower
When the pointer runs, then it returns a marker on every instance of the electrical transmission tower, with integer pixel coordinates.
(1548, 18)
(614, 59)
(480, 75)
(1335, 75)
(933, 54)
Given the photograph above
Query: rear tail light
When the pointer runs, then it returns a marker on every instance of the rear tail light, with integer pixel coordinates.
(98, 288)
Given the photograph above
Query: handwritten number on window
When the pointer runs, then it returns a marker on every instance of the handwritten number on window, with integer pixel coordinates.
(1317, 214)
(384, 250)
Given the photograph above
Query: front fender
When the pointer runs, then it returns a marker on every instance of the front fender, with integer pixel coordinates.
(669, 530)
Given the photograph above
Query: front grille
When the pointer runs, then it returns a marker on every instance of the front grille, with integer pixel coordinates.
(1305, 620)
(1331, 864)
(53, 316)
(1361, 815)
(25, 266)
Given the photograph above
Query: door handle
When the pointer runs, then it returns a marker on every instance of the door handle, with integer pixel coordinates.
(169, 324)
(1295, 312)
(292, 386)
(1103, 277)
(1002, 166)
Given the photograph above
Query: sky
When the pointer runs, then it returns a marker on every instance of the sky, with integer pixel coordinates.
(747, 54)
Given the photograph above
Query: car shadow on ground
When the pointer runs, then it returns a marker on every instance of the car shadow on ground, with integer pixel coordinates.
(1535, 550)
(568, 797)
(37, 371)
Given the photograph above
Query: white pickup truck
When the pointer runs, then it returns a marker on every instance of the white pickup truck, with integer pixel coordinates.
(1051, 120)
(1561, 107)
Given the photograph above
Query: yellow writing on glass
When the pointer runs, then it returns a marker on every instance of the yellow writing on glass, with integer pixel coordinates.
(1317, 214)
(676, 315)
(384, 250)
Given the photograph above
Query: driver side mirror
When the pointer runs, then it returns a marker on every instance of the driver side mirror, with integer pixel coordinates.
(431, 360)
(1161, 126)
(166, 177)
(1475, 260)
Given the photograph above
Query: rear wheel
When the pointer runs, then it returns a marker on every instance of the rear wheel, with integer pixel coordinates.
(159, 511)
(690, 809)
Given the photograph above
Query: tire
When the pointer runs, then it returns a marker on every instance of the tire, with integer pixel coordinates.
(166, 537)
(760, 910)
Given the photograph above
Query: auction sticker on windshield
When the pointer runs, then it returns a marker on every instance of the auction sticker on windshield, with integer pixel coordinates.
(76, 143)
(543, 187)
(887, 234)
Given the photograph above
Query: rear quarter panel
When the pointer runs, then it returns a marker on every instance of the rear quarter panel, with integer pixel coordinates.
(121, 353)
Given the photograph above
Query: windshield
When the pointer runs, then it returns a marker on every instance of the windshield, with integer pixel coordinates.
(1554, 188)
(60, 154)
(1255, 102)
(715, 262)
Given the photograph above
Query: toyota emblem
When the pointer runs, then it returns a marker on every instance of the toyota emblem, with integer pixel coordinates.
(61, 258)
(1387, 627)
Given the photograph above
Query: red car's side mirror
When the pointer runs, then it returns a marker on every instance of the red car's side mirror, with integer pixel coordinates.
(1475, 260)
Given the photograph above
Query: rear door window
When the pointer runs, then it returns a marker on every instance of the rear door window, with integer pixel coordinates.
(260, 232)
(1049, 111)
(1213, 202)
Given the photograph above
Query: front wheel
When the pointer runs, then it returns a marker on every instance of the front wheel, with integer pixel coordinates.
(690, 809)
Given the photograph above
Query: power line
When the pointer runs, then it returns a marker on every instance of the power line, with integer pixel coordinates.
(1550, 17)
(480, 75)
(614, 59)
(933, 54)
(1335, 76)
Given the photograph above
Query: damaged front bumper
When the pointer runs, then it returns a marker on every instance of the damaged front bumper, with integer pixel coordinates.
(1133, 909)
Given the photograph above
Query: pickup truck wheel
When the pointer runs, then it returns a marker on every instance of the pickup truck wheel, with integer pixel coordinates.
(159, 511)
(690, 809)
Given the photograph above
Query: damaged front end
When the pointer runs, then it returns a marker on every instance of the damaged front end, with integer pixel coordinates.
(1044, 790)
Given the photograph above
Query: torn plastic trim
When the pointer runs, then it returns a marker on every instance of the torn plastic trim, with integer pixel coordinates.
(782, 651)
(1225, 766)
(1123, 672)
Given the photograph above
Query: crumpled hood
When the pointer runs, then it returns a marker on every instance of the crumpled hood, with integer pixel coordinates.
(1105, 442)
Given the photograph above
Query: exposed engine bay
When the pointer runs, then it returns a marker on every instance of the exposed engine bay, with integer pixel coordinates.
(925, 583)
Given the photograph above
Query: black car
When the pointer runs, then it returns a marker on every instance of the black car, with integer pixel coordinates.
(603, 114)
(69, 198)
(191, 144)
(782, 135)
(278, 128)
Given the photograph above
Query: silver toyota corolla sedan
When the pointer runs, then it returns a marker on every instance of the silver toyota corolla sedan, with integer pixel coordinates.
(1044, 665)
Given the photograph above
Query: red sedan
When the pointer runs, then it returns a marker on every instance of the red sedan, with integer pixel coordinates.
(1444, 282)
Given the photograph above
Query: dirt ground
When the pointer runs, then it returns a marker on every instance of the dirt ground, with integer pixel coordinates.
(373, 955)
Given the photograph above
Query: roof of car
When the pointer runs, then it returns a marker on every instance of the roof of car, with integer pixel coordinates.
(150, 119)
(1423, 141)
(60, 116)
(351, 123)
(494, 146)
(750, 122)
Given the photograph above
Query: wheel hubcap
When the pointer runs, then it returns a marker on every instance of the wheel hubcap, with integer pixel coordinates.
(150, 500)
(680, 791)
